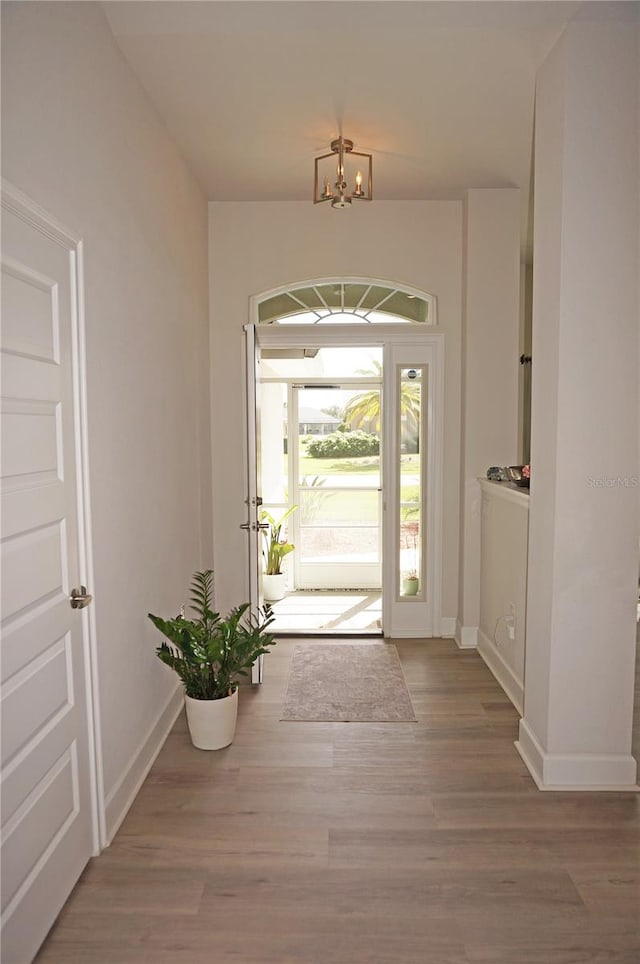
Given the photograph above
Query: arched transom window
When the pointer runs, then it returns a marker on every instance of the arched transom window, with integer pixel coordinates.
(346, 302)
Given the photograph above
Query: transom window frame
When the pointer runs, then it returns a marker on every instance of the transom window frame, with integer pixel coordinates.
(374, 301)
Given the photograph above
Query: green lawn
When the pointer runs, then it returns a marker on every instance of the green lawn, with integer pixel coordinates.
(366, 465)
(340, 507)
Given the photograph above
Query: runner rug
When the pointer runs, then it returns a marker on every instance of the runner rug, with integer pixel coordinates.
(347, 682)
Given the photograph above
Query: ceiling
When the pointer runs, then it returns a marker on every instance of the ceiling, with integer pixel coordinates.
(441, 92)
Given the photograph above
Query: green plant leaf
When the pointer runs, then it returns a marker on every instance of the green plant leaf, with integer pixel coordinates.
(275, 548)
(210, 652)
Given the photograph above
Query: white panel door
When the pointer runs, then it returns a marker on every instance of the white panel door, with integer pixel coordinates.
(47, 818)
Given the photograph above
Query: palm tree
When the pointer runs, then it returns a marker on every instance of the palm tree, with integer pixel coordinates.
(364, 409)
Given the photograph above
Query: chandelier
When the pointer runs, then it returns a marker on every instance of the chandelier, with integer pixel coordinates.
(352, 172)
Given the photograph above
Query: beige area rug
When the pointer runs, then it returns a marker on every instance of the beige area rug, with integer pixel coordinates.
(347, 682)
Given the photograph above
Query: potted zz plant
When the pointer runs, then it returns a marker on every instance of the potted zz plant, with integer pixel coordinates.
(208, 653)
(275, 549)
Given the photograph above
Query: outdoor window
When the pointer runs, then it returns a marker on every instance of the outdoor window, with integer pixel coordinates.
(411, 453)
(345, 302)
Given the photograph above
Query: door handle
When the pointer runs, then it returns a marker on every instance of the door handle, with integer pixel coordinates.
(80, 598)
(263, 525)
(245, 525)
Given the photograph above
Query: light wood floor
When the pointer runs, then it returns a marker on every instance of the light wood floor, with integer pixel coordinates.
(362, 844)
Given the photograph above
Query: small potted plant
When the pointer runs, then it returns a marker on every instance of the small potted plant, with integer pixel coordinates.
(410, 583)
(410, 578)
(276, 547)
(208, 653)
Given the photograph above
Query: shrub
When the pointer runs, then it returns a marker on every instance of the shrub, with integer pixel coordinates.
(342, 445)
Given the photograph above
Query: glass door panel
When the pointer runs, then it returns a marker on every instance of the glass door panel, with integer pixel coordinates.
(338, 525)
(411, 467)
(273, 444)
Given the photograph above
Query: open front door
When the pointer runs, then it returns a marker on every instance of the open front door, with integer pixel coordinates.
(252, 526)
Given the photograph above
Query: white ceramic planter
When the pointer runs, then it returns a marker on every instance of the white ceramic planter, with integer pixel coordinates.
(212, 723)
(273, 587)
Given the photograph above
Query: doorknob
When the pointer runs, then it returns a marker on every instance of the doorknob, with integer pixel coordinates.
(80, 598)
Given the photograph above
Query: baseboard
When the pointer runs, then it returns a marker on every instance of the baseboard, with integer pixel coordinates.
(496, 662)
(447, 627)
(577, 771)
(120, 798)
(408, 634)
(466, 637)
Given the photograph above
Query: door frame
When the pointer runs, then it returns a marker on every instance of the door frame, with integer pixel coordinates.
(22, 206)
(390, 337)
(253, 502)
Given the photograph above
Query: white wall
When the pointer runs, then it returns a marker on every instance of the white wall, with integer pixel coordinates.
(258, 246)
(80, 137)
(524, 348)
(583, 548)
(503, 584)
(490, 339)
